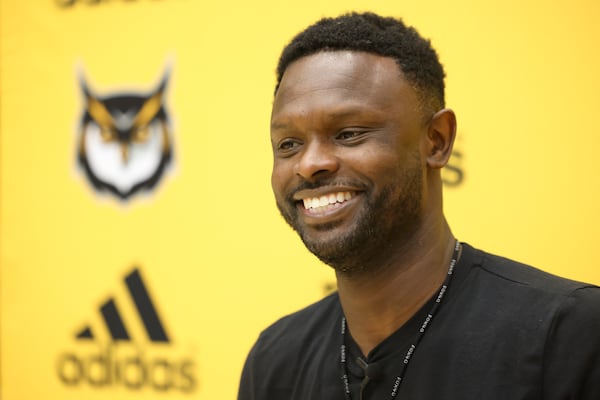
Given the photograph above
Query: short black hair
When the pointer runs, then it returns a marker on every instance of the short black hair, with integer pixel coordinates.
(371, 33)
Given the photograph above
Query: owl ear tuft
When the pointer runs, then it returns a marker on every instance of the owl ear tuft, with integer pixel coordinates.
(163, 83)
(84, 86)
(152, 105)
(95, 107)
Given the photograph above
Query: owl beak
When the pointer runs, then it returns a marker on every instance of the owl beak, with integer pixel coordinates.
(124, 152)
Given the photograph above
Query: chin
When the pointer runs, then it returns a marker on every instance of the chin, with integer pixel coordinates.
(344, 252)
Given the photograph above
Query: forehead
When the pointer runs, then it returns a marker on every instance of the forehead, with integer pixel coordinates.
(341, 81)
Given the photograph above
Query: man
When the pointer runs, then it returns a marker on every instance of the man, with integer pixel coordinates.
(360, 134)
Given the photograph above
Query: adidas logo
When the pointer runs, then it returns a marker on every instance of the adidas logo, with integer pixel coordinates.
(145, 308)
(123, 361)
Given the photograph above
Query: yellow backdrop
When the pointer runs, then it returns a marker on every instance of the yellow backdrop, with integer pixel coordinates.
(216, 260)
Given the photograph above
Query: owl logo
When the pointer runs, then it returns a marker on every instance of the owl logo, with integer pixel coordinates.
(124, 143)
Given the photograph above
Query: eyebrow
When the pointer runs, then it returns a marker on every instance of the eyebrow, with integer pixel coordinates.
(280, 126)
(360, 112)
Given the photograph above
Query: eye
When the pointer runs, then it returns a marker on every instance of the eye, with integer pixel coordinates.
(141, 135)
(350, 135)
(288, 145)
(107, 134)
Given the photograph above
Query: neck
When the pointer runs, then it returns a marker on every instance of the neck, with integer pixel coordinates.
(378, 304)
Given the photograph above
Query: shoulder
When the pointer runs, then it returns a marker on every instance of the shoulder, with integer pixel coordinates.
(519, 274)
(299, 339)
(523, 296)
(294, 336)
(553, 321)
(292, 330)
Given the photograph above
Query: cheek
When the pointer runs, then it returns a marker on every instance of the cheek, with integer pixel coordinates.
(281, 176)
(377, 164)
(388, 170)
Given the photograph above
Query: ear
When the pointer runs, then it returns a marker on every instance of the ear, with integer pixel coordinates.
(440, 138)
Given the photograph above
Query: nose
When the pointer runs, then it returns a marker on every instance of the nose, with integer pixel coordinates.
(317, 160)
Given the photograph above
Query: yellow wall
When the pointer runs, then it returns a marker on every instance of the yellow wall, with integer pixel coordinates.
(218, 261)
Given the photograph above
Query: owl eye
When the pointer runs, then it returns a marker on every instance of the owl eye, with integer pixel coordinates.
(107, 134)
(141, 134)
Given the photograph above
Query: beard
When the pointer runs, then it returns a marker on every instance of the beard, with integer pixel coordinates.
(390, 218)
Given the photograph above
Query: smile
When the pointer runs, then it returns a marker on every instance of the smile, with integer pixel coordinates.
(326, 202)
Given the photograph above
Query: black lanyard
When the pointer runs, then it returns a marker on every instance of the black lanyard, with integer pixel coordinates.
(413, 347)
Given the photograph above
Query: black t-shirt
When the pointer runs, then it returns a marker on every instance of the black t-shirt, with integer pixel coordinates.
(505, 331)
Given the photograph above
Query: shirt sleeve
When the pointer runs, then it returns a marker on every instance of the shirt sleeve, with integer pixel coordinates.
(572, 352)
(247, 389)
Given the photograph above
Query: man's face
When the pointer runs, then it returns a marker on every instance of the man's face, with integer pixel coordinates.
(346, 131)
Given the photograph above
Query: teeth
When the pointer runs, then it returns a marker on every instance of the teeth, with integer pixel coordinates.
(323, 201)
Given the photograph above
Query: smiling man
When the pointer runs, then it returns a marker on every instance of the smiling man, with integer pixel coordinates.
(360, 133)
